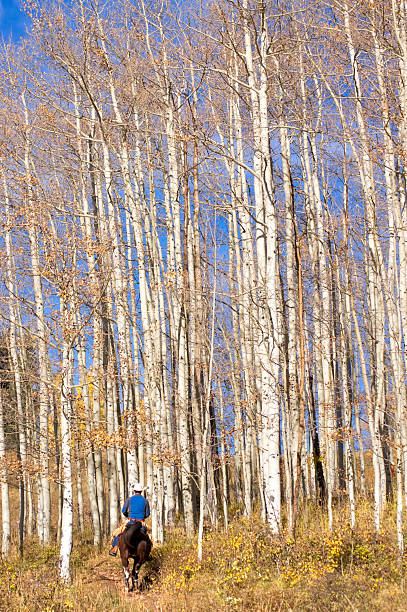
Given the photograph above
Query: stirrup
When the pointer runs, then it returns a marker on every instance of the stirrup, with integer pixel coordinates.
(113, 551)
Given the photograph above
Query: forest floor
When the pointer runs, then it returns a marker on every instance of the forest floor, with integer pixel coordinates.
(243, 568)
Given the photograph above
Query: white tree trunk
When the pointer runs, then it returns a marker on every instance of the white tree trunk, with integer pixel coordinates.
(5, 504)
(66, 444)
(44, 516)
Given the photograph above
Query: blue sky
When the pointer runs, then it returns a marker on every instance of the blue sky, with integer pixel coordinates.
(12, 20)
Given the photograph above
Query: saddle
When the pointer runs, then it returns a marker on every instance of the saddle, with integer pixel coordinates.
(125, 525)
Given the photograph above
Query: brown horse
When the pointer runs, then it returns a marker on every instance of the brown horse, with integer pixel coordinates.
(133, 544)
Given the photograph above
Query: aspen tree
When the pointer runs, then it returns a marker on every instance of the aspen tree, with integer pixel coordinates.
(241, 318)
(66, 442)
(294, 395)
(177, 269)
(382, 279)
(266, 235)
(15, 361)
(346, 392)
(374, 412)
(44, 517)
(87, 234)
(246, 287)
(100, 325)
(5, 502)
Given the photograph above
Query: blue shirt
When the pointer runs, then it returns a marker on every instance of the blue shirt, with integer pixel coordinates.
(136, 507)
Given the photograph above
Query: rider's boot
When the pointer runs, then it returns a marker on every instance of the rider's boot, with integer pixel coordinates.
(113, 551)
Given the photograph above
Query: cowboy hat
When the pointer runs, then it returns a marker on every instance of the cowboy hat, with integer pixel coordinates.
(137, 486)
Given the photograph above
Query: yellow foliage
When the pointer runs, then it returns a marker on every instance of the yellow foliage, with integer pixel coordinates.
(243, 567)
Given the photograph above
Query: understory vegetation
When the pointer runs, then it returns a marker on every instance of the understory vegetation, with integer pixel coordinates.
(242, 568)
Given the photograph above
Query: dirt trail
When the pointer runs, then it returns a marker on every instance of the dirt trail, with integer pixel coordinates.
(106, 576)
(107, 572)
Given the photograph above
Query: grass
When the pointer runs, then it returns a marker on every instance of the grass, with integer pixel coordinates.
(243, 568)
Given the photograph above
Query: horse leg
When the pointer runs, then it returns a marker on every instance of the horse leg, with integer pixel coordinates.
(142, 556)
(137, 566)
(134, 575)
(126, 571)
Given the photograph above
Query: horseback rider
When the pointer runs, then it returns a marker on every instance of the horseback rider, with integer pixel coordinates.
(136, 508)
